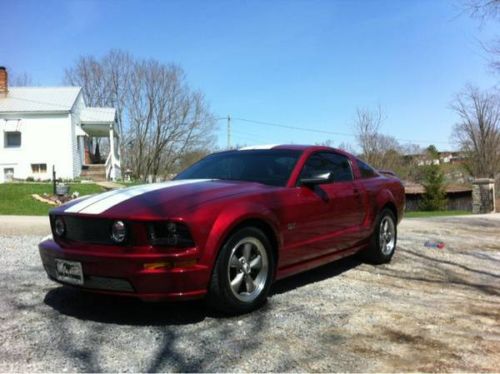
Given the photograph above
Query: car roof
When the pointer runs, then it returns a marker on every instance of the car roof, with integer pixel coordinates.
(294, 147)
(298, 147)
(291, 147)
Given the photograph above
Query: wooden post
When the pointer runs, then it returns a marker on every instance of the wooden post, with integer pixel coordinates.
(112, 151)
(54, 179)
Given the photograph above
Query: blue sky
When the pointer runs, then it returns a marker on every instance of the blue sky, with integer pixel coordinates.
(297, 63)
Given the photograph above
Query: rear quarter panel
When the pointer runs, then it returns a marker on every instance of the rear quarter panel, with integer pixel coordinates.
(381, 191)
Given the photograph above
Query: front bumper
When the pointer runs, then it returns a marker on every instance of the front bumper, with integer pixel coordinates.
(126, 274)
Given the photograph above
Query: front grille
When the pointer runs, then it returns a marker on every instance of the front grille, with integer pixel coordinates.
(88, 230)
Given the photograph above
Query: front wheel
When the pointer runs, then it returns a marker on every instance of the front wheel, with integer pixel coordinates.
(383, 241)
(243, 272)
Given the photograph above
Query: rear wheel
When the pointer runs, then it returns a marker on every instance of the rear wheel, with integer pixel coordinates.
(243, 272)
(383, 241)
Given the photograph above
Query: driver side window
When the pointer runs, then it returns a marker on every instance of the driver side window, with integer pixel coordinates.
(327, 162)
(316, 165)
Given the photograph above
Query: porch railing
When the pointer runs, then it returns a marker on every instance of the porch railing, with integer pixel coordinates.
(112, 165)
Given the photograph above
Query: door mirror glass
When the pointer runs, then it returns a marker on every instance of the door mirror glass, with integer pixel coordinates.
(316, 179)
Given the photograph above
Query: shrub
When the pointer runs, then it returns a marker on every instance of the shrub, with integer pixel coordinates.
(435, 195)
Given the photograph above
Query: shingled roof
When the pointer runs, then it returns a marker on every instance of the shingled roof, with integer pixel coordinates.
(39, 99)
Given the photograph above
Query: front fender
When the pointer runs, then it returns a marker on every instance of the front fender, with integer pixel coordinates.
(231, 217)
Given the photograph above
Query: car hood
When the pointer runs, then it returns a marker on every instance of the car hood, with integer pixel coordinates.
(159, 199)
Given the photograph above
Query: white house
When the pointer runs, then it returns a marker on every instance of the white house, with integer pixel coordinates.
(46, 127)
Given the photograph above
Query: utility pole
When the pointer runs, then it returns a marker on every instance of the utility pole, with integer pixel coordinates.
(228, 131)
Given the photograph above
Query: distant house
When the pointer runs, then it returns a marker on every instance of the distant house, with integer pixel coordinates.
(445, 157)
(45, 127)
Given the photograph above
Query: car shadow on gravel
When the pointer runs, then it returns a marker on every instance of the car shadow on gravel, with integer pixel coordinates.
(315, 275)
(124, 310)
(129, 311)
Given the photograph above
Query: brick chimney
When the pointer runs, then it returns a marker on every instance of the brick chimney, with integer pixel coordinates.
(4, 82)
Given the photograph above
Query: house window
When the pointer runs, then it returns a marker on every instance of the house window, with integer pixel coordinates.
(8, 174)
(39, 168)
(12, 139)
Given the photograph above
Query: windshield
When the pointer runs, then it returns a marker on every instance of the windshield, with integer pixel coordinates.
(272, 167)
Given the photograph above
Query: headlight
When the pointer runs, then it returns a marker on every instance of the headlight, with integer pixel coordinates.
(59, 226)
(118, 231)
(170, 234)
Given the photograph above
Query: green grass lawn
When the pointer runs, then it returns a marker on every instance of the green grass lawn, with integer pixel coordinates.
(15, 198)
(437, 213)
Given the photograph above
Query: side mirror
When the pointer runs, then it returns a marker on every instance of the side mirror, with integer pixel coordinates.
(316, 179)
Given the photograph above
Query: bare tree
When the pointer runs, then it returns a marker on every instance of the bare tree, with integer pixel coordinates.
(366, 127)
(190, 157)
(22, 80)
(379, 150)
(374, 145)
(103, 81)
(483, 9)
(346, 147)
(159, 117)
(478, 132)
(167, 119)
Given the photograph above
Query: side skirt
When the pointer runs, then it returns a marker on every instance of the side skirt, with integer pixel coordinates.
(315, 262)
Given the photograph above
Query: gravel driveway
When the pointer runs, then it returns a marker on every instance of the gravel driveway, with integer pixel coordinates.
(429, 310)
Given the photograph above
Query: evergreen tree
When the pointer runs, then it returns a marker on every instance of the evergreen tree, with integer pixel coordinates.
(435, 196)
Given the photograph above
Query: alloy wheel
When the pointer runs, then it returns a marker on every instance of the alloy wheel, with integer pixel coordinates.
(387, 235)
(248, 269)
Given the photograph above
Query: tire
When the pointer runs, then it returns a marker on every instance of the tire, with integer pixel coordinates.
(243, 272)
(384, 238)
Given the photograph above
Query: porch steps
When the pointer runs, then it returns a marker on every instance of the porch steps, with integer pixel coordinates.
(96, 173)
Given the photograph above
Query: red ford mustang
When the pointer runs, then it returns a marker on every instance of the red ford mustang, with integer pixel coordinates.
(226, 227)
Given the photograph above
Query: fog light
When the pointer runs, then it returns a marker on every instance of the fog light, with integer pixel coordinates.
(118, 231)
(59, 227)
(171, 227)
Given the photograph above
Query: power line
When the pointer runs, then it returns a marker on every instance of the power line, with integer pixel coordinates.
(291, 127)
(308, 129)
(264, 123)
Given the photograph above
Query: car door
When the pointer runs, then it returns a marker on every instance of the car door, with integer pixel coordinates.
(323, 214)
(345, 192)
(347, 203)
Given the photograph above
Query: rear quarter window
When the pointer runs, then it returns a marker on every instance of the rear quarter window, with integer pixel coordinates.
(366, 170)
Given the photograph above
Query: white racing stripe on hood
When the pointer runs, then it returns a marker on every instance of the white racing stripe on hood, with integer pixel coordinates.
(102, 202)
(88, 200)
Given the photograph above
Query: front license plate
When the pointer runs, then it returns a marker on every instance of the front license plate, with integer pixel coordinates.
(69, 271)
